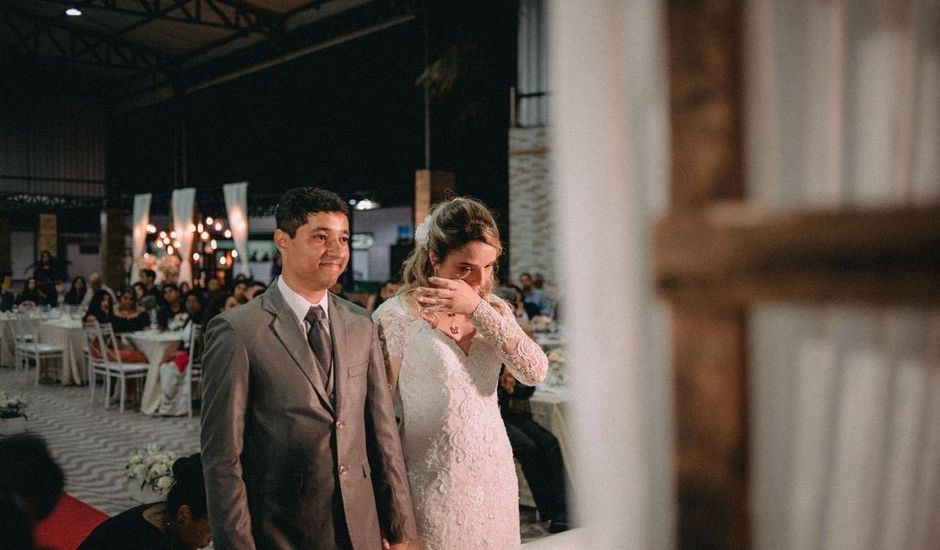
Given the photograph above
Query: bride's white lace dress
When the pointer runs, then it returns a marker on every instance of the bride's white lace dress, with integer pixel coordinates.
(460, 467)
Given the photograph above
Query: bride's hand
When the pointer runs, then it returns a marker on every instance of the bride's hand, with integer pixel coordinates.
(449, 296)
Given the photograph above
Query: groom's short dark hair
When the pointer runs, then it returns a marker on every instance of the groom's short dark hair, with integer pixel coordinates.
(298, 203)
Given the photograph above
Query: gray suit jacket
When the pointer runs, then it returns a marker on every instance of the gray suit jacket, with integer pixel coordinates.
(287, 464)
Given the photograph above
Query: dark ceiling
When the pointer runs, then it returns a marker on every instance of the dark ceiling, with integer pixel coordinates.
(130, 53)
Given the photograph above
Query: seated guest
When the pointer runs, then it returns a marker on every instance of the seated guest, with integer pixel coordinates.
(101, 310)
(255, 289)
(174, 401)
(185, 288)
(194, 306)
(148, 278)
(212, 291)
(535, 301)
(94, 285)
(179, 523)
(31, 294)
(127, 316)
(6, 297)
(76, 294)
(173, 307)
(536, 449)
(388, 289)
(30, 486)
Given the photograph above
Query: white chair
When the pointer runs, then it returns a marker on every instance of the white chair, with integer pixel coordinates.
(28, 348)
(94, 362)
(105, 357)
(194, 367)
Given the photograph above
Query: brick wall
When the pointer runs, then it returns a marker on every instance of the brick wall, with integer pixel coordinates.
(531, 215)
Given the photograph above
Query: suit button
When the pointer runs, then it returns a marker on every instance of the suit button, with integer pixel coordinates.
(343, 469)
(340, 424)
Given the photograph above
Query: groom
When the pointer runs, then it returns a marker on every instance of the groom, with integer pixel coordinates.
(299, 442)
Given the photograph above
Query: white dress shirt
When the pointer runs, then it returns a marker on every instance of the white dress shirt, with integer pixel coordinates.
(300, 306)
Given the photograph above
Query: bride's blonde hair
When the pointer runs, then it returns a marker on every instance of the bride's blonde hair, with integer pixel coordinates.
(450, 225)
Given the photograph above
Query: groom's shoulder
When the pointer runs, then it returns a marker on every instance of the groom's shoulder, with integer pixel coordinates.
(242, 316)
(354, 311)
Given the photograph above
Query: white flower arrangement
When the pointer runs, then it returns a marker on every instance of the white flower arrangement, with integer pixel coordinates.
(178, 321)
(151, 467)
(12, 406)
(557, 366)
(543, 324)
(422, 233)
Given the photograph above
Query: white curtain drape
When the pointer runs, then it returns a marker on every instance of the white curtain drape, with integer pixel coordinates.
(843, 111)
(610, 147)
(183, 202)
(139, 231)
(236, 204)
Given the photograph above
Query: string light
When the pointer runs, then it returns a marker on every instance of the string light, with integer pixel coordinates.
(209, 220)
(234, 253)
(169, 250)
(173, 234)
(163, 234)
(228, 234)
(222, 260)
(151, 228)
(195, 256)
(218, 226)
(213, 244)
(204, 235)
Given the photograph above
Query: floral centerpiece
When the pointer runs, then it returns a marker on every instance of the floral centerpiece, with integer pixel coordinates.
(12, 414)
(12, 406)
(543, 323)
(557, 366)
(178, 321)
(150, 473)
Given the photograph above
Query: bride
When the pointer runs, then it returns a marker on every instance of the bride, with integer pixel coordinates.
(446, 336)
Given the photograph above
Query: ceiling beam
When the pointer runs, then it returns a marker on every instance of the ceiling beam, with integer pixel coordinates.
(77, 45)
(216, 14)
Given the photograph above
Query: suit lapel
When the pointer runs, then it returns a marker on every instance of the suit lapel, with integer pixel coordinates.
(338, 319)
(288, 331)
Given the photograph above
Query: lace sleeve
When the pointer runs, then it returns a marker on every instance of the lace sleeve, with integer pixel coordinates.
(521, 355)
(393, 322)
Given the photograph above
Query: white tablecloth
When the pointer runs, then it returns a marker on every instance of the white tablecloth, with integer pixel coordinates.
(66, 333)
(154, 345)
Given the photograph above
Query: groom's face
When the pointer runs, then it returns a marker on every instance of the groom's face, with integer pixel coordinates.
(319, 251)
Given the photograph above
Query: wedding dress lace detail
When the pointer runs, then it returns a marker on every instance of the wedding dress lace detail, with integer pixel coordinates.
(460, 467)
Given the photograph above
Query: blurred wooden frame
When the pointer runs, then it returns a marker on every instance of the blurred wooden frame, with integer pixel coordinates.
(714, 256)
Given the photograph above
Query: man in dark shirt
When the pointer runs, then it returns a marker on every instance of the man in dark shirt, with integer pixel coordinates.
(536, 449)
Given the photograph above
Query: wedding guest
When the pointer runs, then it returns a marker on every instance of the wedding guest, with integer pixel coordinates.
(535, 301)
(127, 316)
(185, 288)
(179, 523)
(174, 401)
(48, 275)
(148, 278)
(194, 306)
(30, 486)
(139, 291)
(173, 306)
(31, 294)
(6, 297)
(239, 288)
(102, 311)
(95, 283)
(76, 293)
(536, 449)
(255, 289)
(211, 292)
(388, 289)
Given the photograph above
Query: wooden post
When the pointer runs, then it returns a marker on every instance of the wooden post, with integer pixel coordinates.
(6, 263)
(710, 355)
(47, 235)
(431, 187)
(112, 247)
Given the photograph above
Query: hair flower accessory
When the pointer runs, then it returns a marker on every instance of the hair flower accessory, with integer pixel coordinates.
(422, 232)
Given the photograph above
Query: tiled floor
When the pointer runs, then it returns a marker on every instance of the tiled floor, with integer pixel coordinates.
(93, 444)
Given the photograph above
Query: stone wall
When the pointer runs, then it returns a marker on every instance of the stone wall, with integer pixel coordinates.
(531, 213)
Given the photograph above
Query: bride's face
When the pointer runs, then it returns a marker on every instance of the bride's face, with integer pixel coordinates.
(472, 262)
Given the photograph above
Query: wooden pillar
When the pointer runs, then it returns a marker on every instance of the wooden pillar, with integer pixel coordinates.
(431, 187)
(710, 356)
(6, 260)
(47, 235)
(112, 247)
